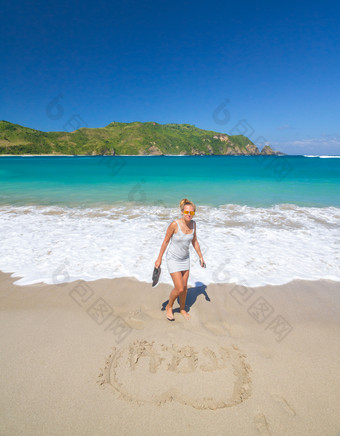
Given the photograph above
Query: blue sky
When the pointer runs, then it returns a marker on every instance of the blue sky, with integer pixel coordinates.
(269, 70)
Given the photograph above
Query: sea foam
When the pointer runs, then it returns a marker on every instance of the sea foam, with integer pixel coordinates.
(240, 244)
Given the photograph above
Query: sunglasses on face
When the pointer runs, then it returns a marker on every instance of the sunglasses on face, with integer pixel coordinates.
(187, 212)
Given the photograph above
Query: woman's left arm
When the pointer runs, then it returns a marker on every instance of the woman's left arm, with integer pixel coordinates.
(196, 244)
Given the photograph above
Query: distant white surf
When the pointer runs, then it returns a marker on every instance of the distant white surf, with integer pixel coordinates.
(316, 155)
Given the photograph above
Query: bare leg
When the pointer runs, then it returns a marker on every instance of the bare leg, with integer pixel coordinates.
(178, 289)
(183, 296)
(168, 308)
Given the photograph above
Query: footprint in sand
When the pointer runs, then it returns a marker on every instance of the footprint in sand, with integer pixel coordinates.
(261, 424)
(212, 377)
(287, 407)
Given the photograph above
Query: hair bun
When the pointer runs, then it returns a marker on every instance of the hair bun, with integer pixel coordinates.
(185, 201)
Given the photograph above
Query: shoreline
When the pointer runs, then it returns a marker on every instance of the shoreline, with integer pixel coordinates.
(148, 282)
(93, 356)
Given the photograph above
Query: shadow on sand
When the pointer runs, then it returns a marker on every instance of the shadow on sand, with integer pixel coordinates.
(192, 294)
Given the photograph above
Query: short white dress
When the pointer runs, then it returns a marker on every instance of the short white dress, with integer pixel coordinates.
(177, 256)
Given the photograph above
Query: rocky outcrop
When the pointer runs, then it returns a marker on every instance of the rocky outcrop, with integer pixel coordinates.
(108, 151)
(267, 150)
(252, 149)
(195, 152)
(236, 150)
(154, 151)
(211, 151)
(230, 150)
(224, 138)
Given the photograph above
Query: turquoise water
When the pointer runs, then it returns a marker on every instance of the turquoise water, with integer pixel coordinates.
(83, 181)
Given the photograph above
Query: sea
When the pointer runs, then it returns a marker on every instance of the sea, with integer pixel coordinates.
(261, 220)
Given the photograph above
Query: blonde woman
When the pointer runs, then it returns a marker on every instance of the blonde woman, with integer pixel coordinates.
(181, 232)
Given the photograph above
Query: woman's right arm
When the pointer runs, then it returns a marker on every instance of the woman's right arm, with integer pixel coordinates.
(169, 233)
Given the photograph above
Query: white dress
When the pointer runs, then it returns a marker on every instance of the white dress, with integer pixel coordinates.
(177, 256)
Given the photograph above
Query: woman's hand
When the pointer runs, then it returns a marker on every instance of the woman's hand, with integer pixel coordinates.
(202, 263)
(158, 263)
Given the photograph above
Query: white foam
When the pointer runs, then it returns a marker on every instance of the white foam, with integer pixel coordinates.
(241, 244)
(325, 157)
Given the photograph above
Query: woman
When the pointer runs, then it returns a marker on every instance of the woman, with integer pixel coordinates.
(181, 232)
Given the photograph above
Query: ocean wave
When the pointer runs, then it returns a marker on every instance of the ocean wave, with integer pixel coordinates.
(240, 244)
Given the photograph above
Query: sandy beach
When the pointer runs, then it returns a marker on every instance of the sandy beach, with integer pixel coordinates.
(101, 358)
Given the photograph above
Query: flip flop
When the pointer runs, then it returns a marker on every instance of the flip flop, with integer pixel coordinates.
(155, 276)
(170, 319)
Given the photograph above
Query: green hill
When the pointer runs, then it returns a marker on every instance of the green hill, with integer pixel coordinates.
(126, 138)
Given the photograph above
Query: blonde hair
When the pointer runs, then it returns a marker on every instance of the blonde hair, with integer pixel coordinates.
(185, 202)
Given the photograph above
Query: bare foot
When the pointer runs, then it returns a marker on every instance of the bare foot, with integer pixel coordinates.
(185, 314)
(169, 313)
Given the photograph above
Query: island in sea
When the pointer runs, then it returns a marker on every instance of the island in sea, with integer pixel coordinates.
(136, 138)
